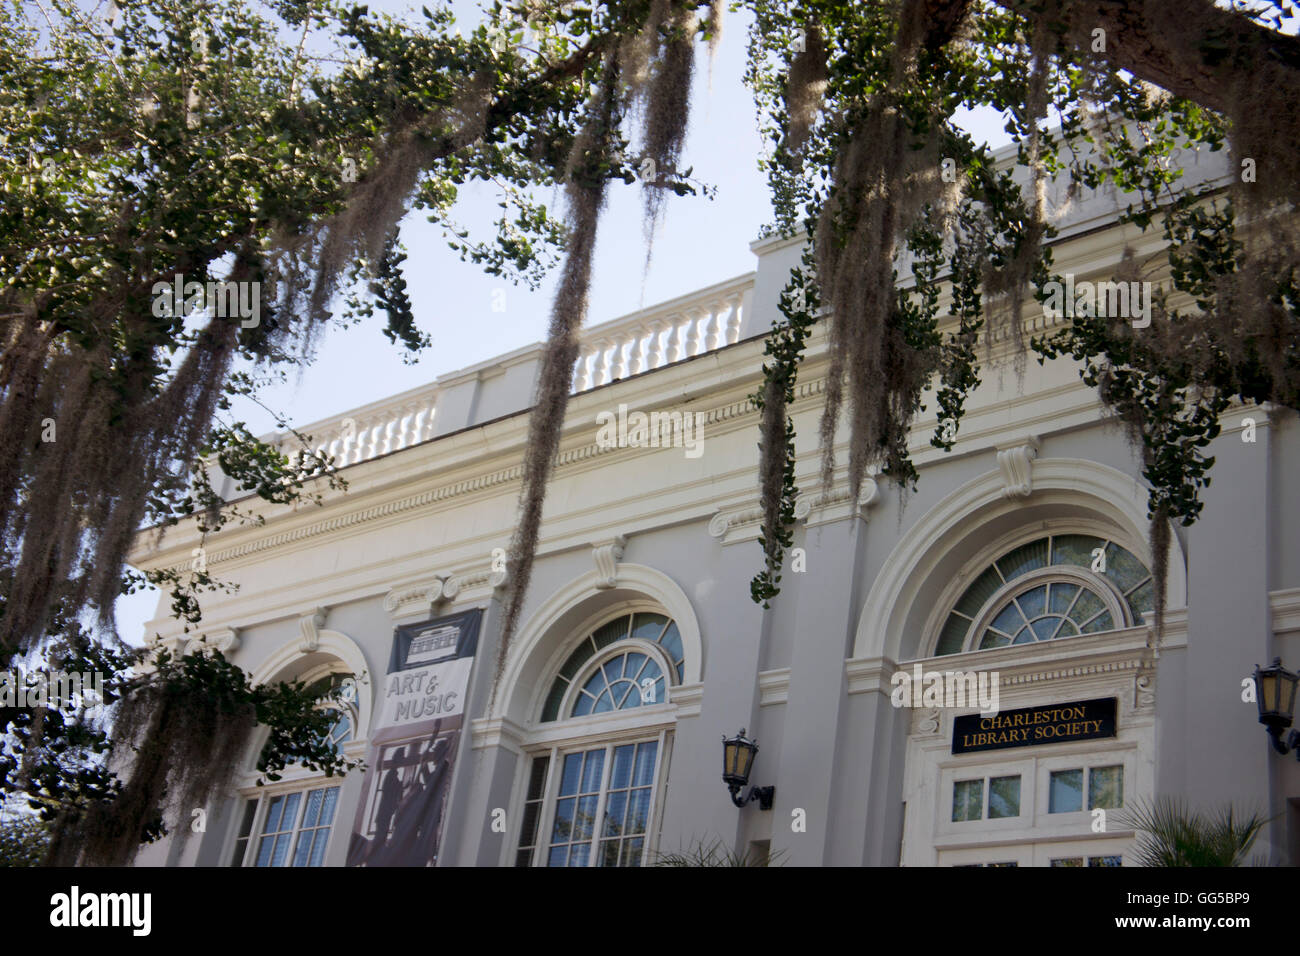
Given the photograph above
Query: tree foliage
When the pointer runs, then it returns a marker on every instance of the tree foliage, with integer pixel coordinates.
(278, 145)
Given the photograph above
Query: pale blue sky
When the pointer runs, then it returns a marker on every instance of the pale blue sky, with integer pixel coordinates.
(701, 242)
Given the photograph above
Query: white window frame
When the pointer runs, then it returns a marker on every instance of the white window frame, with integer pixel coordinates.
(565, 735)
(550, 788)
(293, 777)
(264, 796)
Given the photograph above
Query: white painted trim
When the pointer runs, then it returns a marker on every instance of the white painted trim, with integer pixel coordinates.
(1285, 606)
(773, 686)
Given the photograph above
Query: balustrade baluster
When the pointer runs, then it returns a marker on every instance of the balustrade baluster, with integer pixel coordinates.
(733, 320)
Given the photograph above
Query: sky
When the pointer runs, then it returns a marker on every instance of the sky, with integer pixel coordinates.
(701, 241)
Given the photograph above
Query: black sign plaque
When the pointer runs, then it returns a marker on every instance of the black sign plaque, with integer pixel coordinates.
(1031, 726)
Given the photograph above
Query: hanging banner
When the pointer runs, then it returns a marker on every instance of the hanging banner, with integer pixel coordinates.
(418, 722)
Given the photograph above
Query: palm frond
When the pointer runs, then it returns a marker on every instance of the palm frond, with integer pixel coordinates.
(1171, 834)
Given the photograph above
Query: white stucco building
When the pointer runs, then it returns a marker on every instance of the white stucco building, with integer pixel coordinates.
(640, 648)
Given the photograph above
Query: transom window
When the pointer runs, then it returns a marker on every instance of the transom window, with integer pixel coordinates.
(625, 680)
(1058, 586)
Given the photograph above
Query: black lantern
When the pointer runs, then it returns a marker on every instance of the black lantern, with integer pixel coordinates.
(738, 754)
(1275, 697)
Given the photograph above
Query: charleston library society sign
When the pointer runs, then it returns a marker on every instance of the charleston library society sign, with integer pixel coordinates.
(1029, 726)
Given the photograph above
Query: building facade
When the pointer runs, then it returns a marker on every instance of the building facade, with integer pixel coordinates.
(1020, 563)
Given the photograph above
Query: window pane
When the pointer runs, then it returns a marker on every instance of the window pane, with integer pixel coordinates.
(559, 856)
(591, 770)
(981, 589)
(1034, 601)
(1140, 602)
(1062, 595)
(621, 774)
(1106, 787)
(953, 635)
(1124, 569)
(581, 654)
(1009, 621)
(1087, 605)
(992, 639)
(264, 847)
(967, 800)
(318, 849)
(571, 775)
(1105, 861)
(1004, 797)
(1075, 549)
(1026, 558)
(281, 851)
(290, 818)
(672, 643)
(537, 777)
(273, 813)
(615, 630)
(1045, 627)
(648, 627)
(615, 813)
(645, 763)
(302, 852)
(1102, 622)
(633, 663)
(331, 803)
(579, 854)
(1065, 794)
(1069, 861)
(551, 709)
(638, 810)
(314, 801)
(584, 821)
(563, 829)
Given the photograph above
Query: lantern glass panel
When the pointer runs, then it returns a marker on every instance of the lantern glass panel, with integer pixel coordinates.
(1268, 690)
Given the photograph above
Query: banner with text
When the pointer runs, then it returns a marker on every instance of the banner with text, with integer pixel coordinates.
(418, 723)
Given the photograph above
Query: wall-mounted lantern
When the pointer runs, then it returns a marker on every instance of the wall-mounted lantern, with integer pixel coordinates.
(1275, 697)
(738, 754)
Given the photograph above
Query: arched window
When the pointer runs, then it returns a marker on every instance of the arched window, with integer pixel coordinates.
(1058, 586)
(289, 824)
(594, 802)
(607, 680)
